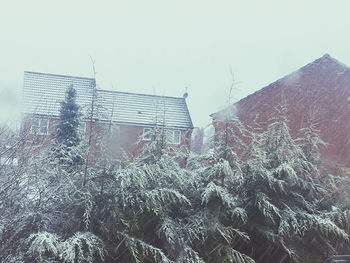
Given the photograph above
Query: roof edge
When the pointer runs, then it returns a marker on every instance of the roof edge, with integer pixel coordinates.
(325, 56)
(57, 75)
(135, 93)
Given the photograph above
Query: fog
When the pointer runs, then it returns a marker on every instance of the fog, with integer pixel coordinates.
(166, 47)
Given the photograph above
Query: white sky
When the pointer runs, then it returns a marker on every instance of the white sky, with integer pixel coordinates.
(160, 46)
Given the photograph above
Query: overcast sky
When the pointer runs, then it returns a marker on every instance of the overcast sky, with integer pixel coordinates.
(161, 47)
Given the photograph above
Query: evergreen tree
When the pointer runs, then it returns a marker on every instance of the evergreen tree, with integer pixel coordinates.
(250, 200)
(66, 141)
(142, 213)
(283, 198)
(67, 130)
(222, 214)
(267, 193)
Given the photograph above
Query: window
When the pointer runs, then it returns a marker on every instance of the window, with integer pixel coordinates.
(173, 136)
(176, 138)
(39, 126)
(146, 136)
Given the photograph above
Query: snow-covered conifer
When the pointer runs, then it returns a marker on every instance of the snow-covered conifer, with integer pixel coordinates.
(67, 130)
(66, 145)
(281, 197)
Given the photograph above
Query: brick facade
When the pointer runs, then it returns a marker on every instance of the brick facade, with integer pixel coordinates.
(321, 88)
(123, 138)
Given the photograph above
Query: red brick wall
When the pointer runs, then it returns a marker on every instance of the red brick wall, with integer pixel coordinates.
(37, 139)
(322, 87)
(128, 138)
(131, 143)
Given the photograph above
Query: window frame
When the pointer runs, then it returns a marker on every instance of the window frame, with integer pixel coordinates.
(178, 137)
(146, 134)
(39, 127)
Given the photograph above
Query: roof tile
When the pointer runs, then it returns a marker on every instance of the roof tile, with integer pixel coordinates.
(43, 93)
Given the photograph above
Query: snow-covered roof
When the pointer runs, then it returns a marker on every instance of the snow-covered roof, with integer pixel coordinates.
(42, 94)
(124, 107)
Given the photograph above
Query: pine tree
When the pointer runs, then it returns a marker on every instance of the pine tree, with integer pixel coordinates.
(143, 210)
(282, 197)
(266, 192)
(217, 213)
(66, 141)
(67, 130)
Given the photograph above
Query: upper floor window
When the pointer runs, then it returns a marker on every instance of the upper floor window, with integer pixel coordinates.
(176, 137)
(39, 126)
(147, 134)
(173, 136)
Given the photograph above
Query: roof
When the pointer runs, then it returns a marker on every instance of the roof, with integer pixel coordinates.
(42, 94)
(325, 64)
(125, 107)
(321, 90)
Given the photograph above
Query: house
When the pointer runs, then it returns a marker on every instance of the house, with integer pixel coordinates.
(321, 88)
(129, 116)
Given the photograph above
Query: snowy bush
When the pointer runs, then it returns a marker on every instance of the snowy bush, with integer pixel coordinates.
(43, 245)
(255, 196)
(82, 247)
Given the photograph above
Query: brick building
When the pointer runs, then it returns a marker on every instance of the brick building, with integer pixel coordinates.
(322, 88)
(129, 116)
